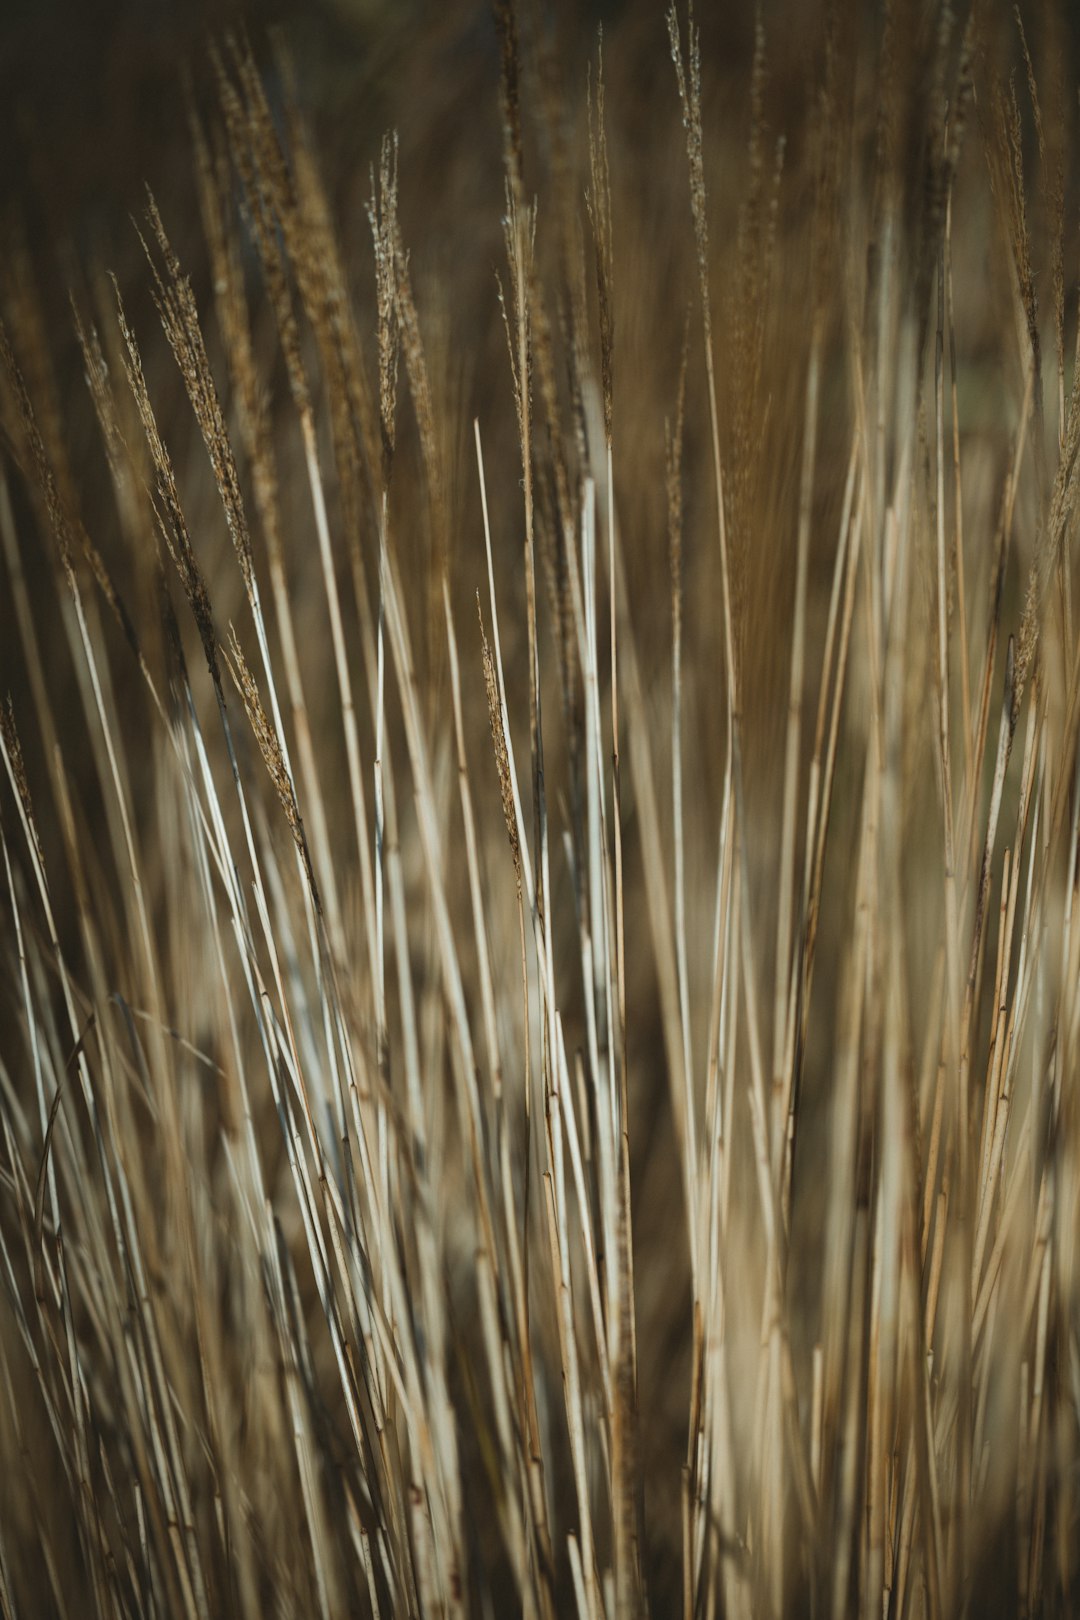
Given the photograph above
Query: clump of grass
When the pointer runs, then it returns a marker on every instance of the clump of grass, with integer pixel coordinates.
(575, 1111)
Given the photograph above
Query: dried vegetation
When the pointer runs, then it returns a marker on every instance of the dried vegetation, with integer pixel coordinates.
(580, 1112)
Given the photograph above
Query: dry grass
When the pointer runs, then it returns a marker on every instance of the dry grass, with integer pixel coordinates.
(575, 1111)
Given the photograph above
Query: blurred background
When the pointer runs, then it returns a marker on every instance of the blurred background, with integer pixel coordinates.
(90, 103)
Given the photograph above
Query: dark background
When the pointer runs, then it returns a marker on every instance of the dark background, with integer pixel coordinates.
(91, 105)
